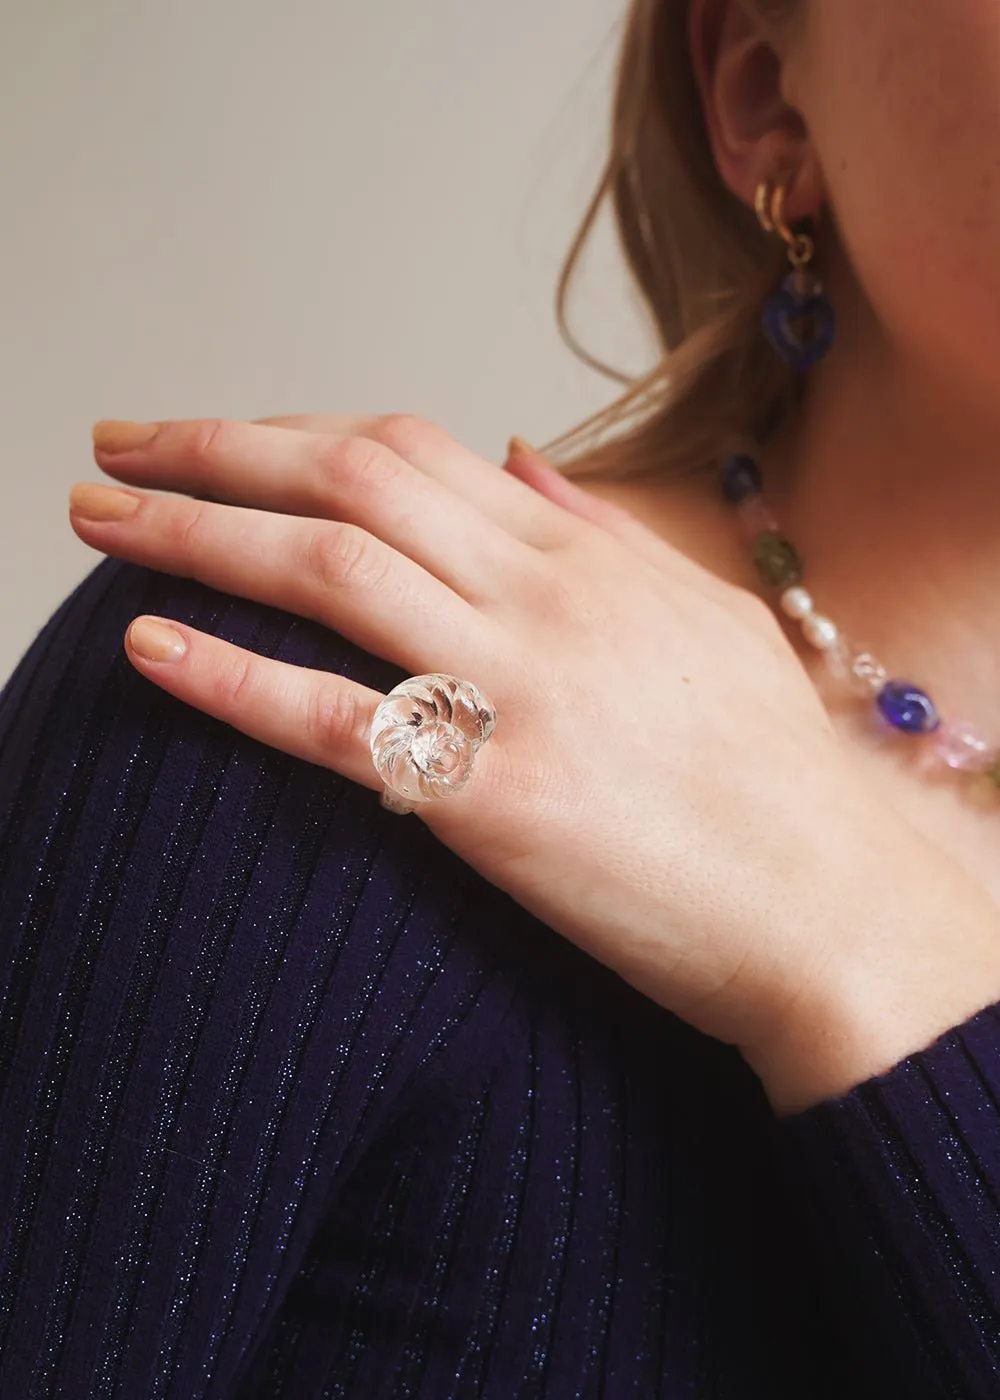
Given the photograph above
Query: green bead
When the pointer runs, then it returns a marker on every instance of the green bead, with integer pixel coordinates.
(776, 560)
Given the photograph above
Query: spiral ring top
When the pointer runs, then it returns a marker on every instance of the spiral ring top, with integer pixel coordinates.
(424, 737)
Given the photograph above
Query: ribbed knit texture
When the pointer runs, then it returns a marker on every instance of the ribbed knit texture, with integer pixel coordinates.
(295, 1104)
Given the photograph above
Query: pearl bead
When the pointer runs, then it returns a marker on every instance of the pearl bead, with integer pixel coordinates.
(820, 631)
(837, 659)
(900, 704)
(796, 602)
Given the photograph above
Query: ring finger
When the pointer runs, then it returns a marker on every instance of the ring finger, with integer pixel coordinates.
(314, 715)
(336, 574)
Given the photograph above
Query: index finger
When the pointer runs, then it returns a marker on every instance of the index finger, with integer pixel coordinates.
(506, 501)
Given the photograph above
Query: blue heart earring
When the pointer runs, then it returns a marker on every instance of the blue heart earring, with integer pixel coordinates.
(799, 318)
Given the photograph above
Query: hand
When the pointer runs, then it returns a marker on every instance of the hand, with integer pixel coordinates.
(664, 786)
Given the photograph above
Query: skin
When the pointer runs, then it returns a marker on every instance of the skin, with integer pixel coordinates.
(888, 481)
(736, 885)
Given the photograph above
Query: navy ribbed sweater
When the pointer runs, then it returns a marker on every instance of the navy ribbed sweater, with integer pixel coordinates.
(295, 1104)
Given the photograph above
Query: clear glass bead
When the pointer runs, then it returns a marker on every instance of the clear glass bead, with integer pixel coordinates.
(756, 517)
(854, 666)
(424, 737)
(867, 675)
(958, 745)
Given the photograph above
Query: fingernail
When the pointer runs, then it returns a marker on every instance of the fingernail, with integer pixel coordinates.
(155, 640)
(95, 502)
(121, 435)
(518, 444)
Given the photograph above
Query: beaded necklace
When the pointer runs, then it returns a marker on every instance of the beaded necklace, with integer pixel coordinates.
(901, 704)
(801, 323)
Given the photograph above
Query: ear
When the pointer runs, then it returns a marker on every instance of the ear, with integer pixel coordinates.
(741, 69)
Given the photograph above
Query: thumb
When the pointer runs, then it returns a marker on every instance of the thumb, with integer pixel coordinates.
(529, 466)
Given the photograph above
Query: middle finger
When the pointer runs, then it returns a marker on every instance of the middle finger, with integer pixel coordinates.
(338, 575)
(352, 479)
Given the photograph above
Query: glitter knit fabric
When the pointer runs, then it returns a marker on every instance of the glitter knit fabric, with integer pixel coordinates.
(293, 1104)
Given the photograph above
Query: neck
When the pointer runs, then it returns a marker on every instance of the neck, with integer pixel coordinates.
(888, 484)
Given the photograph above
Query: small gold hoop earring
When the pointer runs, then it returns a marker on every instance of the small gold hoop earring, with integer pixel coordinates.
(770, 205)
(798, 316)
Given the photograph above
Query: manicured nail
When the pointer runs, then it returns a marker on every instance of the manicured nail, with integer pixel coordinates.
(121, 435)
(95, 502)
(518, 444)
(155, 640)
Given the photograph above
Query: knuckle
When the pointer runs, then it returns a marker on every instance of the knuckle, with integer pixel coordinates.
(343, 556)
(358, 462)
(207, 438)
(557, 591)
(368, 464)
(232, 686)
(404, 433)
(189, 529)
(334, 720)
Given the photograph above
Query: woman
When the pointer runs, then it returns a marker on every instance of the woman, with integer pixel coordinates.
(661, 1055)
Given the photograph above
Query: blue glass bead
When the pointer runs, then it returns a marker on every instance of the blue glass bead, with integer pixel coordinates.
(800, 324)
(908, 708)
(740, 478)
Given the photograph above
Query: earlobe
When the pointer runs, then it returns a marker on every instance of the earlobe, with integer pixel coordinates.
(755, 134)
(807, 192)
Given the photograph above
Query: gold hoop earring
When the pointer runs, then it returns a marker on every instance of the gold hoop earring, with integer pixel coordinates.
(770, 205)
(799, 318)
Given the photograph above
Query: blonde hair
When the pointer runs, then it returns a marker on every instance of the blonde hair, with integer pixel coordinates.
(702, 263)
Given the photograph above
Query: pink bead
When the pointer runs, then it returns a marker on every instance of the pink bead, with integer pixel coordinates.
(960, 746)
(756, 517)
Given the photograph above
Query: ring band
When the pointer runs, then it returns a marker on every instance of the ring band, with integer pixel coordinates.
(424, 737)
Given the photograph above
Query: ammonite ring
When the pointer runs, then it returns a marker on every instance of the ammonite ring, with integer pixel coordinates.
(424, 738)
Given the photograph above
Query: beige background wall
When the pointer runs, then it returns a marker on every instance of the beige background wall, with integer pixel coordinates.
(246, 207)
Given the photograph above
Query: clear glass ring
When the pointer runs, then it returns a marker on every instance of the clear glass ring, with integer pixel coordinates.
(424, 737)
